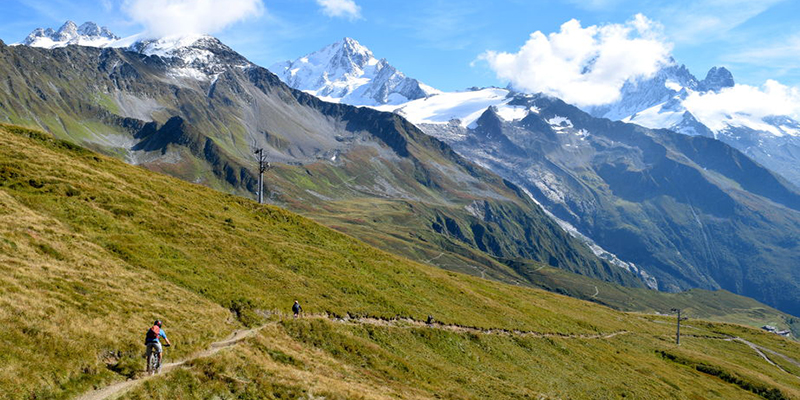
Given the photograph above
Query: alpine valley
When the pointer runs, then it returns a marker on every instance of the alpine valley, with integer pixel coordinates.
(681, 211)
(417, 229)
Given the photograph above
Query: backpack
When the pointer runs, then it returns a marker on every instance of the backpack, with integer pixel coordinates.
(152, 334)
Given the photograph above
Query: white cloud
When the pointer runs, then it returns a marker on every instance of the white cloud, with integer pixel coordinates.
(744, 104)
(340, 8)
(584, 66)
(183, 17)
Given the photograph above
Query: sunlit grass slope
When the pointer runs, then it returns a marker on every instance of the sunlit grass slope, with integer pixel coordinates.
(92, 249)
(316, 358)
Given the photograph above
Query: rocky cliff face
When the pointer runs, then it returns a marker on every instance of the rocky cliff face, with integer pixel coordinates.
(716, 80)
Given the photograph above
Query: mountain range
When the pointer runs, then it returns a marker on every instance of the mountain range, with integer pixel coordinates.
(678, 211)
(674, 99)
(88, 34)
(194, 108)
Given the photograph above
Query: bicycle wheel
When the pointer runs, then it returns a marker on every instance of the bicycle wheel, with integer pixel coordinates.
(152, 362)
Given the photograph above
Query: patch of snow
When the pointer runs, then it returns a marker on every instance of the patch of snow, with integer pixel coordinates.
(512, 113)
(190, 73)
(559, 121)
(166, 46)
(790, 131)
(464, 107)
(560, 124)
(672, 85)
(656, 117)
(598, 251)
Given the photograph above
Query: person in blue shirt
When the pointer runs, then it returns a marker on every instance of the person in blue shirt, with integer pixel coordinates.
(153, 343)
(296, 309)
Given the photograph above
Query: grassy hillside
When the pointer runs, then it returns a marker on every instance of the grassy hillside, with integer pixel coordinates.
(93, 249)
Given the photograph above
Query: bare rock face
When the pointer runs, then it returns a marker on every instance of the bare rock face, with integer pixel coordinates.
(716, 80)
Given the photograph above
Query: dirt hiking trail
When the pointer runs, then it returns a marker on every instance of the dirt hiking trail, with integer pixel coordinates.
(120, 388)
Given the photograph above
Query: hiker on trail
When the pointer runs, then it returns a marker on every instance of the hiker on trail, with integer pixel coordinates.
(152, 340)
(296, 309)
(430, 320)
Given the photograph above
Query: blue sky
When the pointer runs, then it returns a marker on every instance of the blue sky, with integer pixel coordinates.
(440, 42)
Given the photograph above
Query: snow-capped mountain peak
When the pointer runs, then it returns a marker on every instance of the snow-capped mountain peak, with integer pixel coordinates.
(699, 108)
(88, 34)
(201, 57)
(645, 93)
(348, 72)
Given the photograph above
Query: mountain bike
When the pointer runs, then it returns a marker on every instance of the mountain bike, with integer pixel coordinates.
(153, 365)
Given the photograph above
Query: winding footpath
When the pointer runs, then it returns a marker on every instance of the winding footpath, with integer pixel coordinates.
(761, 352)
(120, 388)
(412, 323)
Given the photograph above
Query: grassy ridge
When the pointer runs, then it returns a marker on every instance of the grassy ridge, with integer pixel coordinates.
(93, 249)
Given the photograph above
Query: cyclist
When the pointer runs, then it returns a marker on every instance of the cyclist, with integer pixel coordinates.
(152, 342)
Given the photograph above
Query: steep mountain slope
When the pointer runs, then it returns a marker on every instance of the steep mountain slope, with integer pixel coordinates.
(86, 241)
(347, 72)
(674, 99)
(690, 210)
(195, 109)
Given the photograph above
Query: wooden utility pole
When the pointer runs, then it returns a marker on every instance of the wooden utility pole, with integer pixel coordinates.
(262, 167)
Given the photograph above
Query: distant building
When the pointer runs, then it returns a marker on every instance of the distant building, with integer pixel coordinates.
(785, 333)
(769, 328)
